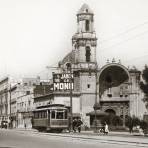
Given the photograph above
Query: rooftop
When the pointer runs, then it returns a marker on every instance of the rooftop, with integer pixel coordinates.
(85, 9)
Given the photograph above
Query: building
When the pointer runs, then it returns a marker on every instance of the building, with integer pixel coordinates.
(24, 95)
(4, 99)
(114, 86)
(16, 101)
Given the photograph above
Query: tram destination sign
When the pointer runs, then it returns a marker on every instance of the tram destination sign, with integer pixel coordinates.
(63, 81)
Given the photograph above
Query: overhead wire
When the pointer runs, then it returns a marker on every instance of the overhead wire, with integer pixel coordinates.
(124, 32)
(117, 44)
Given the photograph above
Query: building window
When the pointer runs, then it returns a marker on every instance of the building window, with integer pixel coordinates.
(88, 53)
(27, 92)
(68, 66)
(87, 25)
(121, 95)
(29, 102)
(25, 84)
(88, 85)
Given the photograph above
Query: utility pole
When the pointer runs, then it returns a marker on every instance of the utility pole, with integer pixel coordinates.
(71, 107)
(10, 105)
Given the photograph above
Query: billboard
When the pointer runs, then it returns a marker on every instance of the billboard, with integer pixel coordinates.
(63, 81)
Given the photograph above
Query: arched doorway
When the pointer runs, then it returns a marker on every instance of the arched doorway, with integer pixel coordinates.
(112, 75)
(110, 111)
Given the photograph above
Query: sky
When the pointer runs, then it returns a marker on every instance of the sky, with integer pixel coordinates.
(35, 34)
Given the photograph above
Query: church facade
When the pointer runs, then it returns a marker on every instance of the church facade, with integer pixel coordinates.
(113, 86)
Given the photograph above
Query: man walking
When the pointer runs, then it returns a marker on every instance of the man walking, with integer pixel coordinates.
(79, 123)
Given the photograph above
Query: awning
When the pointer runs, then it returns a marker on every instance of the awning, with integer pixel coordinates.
(75, 115)
(98, 113)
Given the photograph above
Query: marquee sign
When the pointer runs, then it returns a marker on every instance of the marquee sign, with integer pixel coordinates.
(63, 81)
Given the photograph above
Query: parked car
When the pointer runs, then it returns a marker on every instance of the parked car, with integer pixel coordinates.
(145, 131)
(137, 131)
(4, 124)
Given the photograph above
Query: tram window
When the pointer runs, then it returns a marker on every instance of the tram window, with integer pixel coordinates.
(53, 114)
(43, 114)
(36, 115)
(59, 115)
(66, 114)
(40, 114)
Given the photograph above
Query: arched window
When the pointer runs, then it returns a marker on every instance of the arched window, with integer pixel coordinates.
(88, 53)
(87, 25)
(68, 66)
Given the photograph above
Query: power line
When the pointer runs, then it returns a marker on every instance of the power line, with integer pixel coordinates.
(131, 38)
(125, 32)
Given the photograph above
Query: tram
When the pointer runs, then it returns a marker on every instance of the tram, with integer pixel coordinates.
(52, 117)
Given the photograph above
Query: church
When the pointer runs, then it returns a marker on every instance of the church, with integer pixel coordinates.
(114, 87)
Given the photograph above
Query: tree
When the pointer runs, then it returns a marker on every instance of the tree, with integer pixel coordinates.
(144, 85)
(117, 121)
(143, 124)
(131, 122)
(112, 120)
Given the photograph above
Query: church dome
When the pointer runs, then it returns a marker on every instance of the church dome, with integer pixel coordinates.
(70, 57)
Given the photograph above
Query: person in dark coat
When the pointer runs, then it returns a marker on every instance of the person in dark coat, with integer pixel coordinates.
(74, 125)
(79, 123)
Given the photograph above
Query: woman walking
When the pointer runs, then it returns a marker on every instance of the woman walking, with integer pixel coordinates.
(106, 131)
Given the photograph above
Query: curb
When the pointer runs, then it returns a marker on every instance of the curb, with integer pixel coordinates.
(84, 137)
(105, 140)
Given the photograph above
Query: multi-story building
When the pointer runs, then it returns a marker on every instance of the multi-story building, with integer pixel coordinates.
(6, 88)
(24, 102)
(16, 101)
(4, 100)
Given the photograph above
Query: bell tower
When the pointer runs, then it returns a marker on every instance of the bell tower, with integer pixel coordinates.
(84, 41)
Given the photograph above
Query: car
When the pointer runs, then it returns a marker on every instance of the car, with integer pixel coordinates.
(137, 131)
(145, 131)
(4, 124)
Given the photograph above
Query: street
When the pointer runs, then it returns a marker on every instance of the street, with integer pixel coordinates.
(25, 139)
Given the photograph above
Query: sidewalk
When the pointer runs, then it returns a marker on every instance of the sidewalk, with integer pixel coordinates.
(88, 133)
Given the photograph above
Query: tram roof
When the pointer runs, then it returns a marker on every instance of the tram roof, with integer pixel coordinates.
(51, 106)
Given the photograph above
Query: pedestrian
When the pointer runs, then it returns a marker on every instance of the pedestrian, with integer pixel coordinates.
(25, 125)
(79, 123)
(74, 125)
(106, 131)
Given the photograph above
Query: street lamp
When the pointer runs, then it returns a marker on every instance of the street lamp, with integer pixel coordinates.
(71, 107)
(96, 104)
(95, 107)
